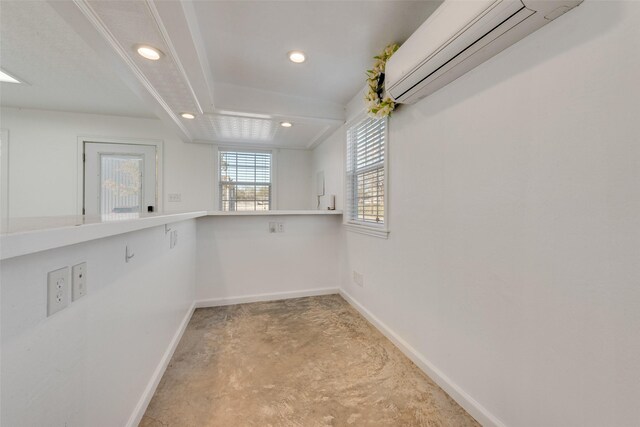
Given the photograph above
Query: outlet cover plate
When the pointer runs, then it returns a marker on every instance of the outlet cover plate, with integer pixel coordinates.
(358, 279)
(79, 280)
(58, 290)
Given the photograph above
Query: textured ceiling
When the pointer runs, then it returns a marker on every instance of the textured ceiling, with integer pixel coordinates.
(262, 131)
(247, 42)
(224, 61)
(62, 71)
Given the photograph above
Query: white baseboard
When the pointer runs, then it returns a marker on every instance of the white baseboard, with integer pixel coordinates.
(479, 412)
(148, 393)
(216, 302)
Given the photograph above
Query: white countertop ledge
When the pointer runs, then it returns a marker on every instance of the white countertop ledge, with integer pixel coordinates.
(30, 235)
(272, 213)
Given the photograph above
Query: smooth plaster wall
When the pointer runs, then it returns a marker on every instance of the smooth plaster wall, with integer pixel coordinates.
(89, 364)
(44, 164)
(238, 257)
(293, 178)
(513, 259)
(43, 160)
(327, 158)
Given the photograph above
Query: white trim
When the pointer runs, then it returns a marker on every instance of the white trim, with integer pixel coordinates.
(150, 390)
(191, 18)
(61, 231)
(348, 222)
(93, 17)
(248, 145)
(273, 203)
(4, 178)
(275, 296)
(473, 407)
(243, 148)
(275, 213)
(321, 136)
(158, 143)
(216, 178)
(172, 51)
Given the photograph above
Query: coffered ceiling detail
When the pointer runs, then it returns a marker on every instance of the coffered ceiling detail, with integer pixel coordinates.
(225, 61)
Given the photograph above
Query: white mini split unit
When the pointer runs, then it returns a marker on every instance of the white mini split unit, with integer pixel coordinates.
(459, 36)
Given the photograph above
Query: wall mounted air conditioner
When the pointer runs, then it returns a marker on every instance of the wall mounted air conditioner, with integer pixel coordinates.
(459, 36)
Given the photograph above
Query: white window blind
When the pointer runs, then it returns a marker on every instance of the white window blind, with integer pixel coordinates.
(245, 181)
(121, 183)
(365, 171)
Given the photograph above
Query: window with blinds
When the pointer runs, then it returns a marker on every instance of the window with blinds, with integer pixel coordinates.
(365, 171)
(245, 181)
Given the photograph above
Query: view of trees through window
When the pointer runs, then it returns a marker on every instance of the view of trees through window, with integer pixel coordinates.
(365, 171)
(245, 181)
(370, 186)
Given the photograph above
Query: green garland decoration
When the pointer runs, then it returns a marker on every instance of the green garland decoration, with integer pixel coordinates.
(379, 105)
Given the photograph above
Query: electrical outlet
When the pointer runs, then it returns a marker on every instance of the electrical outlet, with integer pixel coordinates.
(280, 227)
(272, 227)
(175, 197)
(58, 289)
(78, 281)
(358, 279)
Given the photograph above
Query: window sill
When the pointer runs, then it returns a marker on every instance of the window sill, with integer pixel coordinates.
(379, 232)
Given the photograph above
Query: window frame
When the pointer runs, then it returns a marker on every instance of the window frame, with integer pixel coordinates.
(80, 145)
(245, 149)
(349, 222)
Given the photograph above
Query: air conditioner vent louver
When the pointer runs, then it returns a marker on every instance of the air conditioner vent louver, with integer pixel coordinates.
(458, 37)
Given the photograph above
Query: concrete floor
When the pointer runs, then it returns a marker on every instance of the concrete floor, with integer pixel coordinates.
(300, 362)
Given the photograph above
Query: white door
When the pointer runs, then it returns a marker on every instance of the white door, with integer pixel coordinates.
(119, 178)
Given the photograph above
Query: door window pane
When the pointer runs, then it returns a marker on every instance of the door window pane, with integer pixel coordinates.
(121, 183)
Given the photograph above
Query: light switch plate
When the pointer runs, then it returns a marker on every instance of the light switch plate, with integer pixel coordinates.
(58, 290)
(79, 280)
(280, 227)
(272, 227)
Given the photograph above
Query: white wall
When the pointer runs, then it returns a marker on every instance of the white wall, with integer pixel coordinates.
(44, 162)
(512, 263)
(238, 257)
(293, 179)
(89, 364)
(327, 158)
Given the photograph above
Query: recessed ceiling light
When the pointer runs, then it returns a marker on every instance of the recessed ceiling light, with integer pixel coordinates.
(6, 78)
(188, 116)
(148, 52)
(297, 56)
(286, 124)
